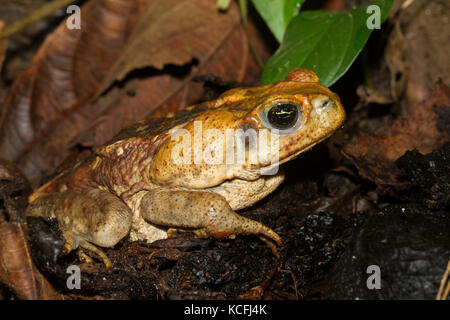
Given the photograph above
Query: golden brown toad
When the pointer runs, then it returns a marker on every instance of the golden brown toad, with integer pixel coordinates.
(191, 171)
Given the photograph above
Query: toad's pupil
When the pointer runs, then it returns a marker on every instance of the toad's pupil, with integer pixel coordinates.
(283, 115)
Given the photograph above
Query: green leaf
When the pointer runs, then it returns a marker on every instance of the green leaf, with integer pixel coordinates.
(277, 14)
(324, 41)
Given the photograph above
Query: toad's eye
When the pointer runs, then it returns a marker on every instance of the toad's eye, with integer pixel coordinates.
(283, 115)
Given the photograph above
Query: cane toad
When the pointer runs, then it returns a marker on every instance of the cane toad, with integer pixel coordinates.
(192, 170)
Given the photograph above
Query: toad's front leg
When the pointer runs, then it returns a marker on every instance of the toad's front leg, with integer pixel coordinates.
(206, 213)
(86, 219)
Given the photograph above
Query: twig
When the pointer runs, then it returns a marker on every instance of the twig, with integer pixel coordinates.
(39, 14)
(291, 273)
(443, 294)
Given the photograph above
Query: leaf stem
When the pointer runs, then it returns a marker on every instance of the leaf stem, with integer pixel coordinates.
(244, 13)
(39, 14)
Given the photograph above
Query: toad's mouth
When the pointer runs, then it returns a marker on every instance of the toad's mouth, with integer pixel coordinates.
(275, 163)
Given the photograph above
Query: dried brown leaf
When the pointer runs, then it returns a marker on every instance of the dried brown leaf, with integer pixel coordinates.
(425, 130)
(173, 32)
(16, 267)
(417, 50)
(61, 78)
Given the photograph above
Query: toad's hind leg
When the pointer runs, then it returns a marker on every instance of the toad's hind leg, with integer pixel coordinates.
(87, 219)
(206, 213)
